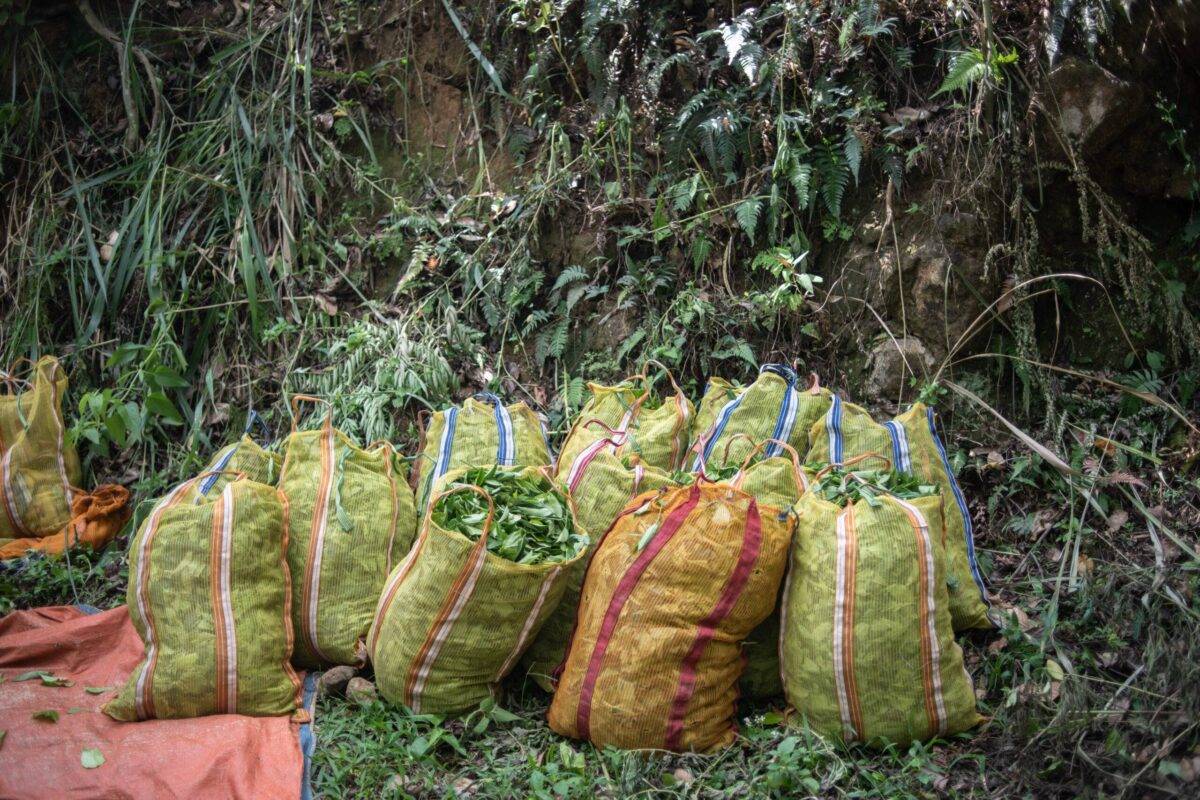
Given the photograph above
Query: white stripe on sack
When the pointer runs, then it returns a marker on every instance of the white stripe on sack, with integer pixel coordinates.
(143, 598)
(783, 431)
(10, 495)
(930, 590)
(314, 588)
(224, 584)
(839, 621)
(508, 445)
(444, 629)
(833, 427)
(900, 442)
(575, 475)
(547, 582)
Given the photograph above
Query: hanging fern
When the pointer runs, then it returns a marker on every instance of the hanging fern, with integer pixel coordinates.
(834, 177)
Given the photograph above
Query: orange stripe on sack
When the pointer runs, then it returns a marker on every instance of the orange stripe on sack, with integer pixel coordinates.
(289, 634)
(143, 687)
(419, 666)
(392, 586)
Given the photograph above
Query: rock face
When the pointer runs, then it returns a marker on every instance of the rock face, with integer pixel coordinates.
(892, 364)
(928, 281)
(1089, 104)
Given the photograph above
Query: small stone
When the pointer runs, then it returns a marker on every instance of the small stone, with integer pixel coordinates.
(334, 680)
(361, 691)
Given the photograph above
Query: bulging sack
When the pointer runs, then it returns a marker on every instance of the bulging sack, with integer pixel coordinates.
(352, 520)
(677, 583)
(654, 430)
(481, 432)
(911, 439)
(38, 469)
(209, 593)
(776, 482)
(868, 650)
(601, 484)
(454, 617)
(245, 456)
(772, 408)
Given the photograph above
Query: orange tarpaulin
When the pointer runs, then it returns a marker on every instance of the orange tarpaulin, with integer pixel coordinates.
(225, 756)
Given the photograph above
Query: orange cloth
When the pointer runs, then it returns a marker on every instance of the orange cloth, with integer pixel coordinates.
(226, 755)
(95, 518)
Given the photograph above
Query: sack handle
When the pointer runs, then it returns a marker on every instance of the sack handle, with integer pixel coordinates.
(13, 377)
(615, 437)
(470, 487)
(308, 398)
(850, 462)
(797, 471)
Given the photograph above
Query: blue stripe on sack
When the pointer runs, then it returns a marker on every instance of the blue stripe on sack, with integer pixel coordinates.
(506, 446)
(447, 443)
(833, 427)
(901, 458)
(308, 738)
(968, 526)
(208, 482)
(787, 409)
(717, 429)
(251, 420)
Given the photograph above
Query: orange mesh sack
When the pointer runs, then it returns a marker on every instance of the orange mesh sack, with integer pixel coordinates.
(209, 595)
(679, 580)
(352, 519)
(655, 430)
(601, 484)
(37, 467)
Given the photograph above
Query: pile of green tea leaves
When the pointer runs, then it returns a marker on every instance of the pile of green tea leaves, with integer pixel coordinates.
(532, 524)
(715, 474)
(844, 486)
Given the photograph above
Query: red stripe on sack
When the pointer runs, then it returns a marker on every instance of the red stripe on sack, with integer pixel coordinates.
(624, 589)
(751, 545)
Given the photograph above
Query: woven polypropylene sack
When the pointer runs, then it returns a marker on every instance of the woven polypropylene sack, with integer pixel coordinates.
(911, 442)
(37, 467)
(454, 618)
(352, 520)
(671, 592)
(601, 486)
(656, 429)
(209, 594)
(244, 456)
(479, 433)
(868, 649)
(773, 407)
(776, 483)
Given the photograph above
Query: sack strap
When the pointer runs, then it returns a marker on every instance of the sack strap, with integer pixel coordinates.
(308, 398)
(455, 488)
(797, 470)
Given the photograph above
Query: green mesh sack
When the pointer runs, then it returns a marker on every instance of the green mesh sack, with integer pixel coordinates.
(655, 429)
(480, 432)
(912, 443)
(244, 456)
(209, 593)
(868, 650)
(352, 519)
(602, 485)
(772, 408)
(38, 469)
(776, 483)
(454, 618)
